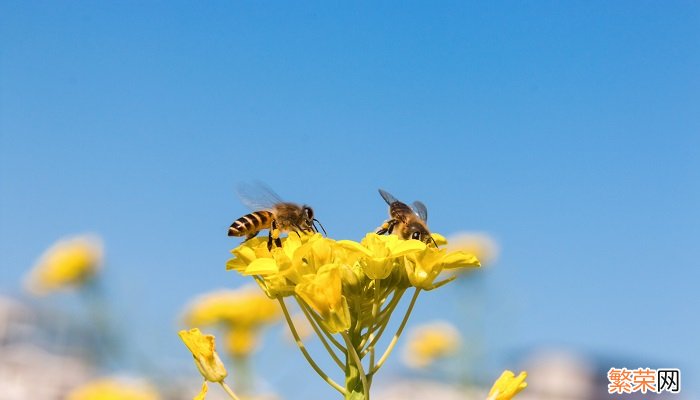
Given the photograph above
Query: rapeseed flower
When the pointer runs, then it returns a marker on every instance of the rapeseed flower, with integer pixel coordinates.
(240, 313)
(69, 263)
(245, 306)
(430, 342)
(507, 386)
(203, 349)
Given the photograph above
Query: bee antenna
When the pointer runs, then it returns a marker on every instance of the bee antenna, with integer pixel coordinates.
(434, 242)
(321, 225)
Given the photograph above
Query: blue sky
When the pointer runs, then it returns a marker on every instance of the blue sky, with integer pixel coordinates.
(567, 130)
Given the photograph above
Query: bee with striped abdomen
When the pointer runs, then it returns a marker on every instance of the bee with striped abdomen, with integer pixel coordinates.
(404, 221)
(273, 214)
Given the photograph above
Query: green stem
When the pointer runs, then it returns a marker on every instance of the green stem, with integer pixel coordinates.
(306, 354)
(383, 323)
(395, 339)
(319, 323)
(355, 358)
(228, 390)
(312, 321)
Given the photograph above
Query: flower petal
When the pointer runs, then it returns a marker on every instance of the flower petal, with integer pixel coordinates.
(261, 266)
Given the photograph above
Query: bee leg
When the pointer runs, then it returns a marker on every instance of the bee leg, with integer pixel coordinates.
(386, 227)
(392, 225)
(273, 233)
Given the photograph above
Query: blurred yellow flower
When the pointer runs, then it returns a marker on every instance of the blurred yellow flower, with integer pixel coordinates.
(114, 389)
(482, 245)
(69, 263)
(507, 386)
(203, 350)
(241, 307)
(430, 342)
(241, 341)
(242, 313)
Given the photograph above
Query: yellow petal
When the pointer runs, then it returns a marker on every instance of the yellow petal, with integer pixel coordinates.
(459, 259)
(245, 252)
(439, 239)
(354, 246)
(262, 266)
(203, 350)
(324, 294)
(203, 393)
(403, 247)
(507, 386)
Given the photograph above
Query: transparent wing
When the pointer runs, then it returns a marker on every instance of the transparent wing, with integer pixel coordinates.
(257, 196)
(387, 196)
(420, 209)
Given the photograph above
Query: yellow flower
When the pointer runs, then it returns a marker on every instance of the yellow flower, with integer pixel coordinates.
(244, 307)
(203, 350)
(113, 389)
(324, 294)
(67, 264)
(344, 284)
(430, 342)
(422, 268)
(378, 253)
(507, 386)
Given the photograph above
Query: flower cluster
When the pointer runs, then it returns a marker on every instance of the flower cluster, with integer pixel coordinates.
(348, 291)
(344, 280)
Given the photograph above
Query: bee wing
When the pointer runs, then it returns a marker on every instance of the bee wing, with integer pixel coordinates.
(420, 209)
(387, 196)
(257, 196)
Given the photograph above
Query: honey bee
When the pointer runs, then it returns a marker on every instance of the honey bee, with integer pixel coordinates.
(406, 222)
(273, 214)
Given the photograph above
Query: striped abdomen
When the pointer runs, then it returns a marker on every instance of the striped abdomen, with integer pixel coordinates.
(250, 224)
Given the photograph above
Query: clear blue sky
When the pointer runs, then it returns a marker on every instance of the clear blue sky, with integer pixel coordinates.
(570, 131)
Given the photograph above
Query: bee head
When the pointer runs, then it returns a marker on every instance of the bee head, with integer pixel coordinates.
(308, 213)
(309, 220)
(418, 231)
